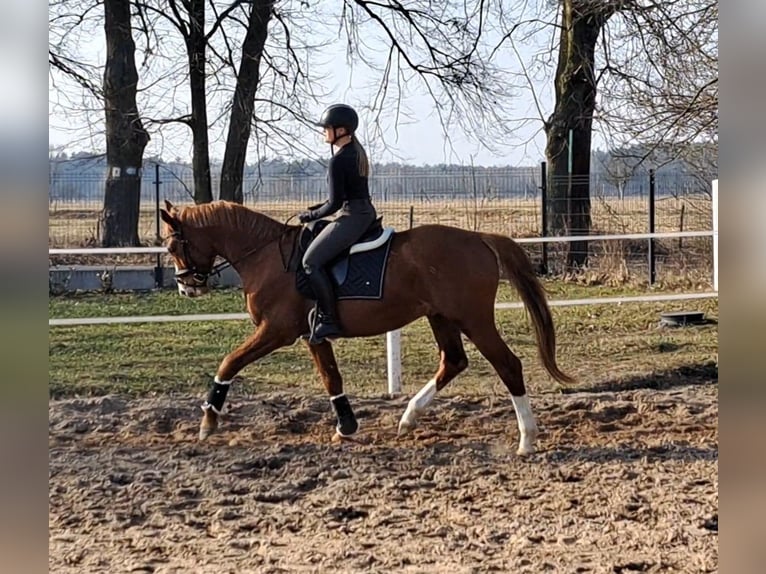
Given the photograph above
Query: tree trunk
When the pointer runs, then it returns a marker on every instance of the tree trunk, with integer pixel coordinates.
(244, 101)
(126, 137)
(196, 46)
(575, 83)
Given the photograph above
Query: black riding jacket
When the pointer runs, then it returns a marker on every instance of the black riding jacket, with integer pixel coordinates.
(344, 182)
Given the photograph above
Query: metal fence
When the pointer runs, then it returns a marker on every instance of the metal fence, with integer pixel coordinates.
(502, 200)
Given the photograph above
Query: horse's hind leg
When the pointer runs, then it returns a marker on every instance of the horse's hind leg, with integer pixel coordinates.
(508, 367)
(453, 361)
(324, 359)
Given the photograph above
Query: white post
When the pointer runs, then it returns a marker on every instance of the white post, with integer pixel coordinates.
(394, 355)
(715, 235)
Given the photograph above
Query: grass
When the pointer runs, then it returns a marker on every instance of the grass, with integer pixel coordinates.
(595, 343)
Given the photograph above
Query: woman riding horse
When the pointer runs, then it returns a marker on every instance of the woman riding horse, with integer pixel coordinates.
(347, 176)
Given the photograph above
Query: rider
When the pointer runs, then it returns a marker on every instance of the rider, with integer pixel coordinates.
(347, 175)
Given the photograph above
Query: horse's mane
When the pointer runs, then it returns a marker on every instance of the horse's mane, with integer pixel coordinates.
(228, 215)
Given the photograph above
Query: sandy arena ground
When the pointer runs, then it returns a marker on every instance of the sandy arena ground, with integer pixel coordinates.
(625, 481)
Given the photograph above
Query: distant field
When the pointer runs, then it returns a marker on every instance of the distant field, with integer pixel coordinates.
(613, 262)
(78, 224)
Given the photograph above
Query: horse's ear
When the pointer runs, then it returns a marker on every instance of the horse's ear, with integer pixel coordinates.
(170, 220)
(168, 205)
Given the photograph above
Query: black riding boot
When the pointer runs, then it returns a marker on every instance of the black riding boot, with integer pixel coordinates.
(325, 324)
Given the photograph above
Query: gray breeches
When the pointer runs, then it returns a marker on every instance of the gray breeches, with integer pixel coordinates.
(339, 234)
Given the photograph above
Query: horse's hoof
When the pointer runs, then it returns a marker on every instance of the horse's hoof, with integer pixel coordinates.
(406, 427)
(207, 425)
(527, 443)
(339, 438)
(525, 451)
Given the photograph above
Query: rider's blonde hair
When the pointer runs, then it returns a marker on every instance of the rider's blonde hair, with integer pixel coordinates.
(364, 163)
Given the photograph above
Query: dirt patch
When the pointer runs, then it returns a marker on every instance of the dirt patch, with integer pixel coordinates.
(625, 481)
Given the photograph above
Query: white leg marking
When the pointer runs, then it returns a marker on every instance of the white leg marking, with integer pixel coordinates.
(181, 288)
(527, 424)
(416, 406)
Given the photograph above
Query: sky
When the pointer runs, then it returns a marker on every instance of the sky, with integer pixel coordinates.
(419, 141)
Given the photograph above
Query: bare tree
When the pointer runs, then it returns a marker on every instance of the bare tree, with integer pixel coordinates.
(196, 41)
(442, 48)
(244, 64)
(569, 128)
(639, 71)
(188, 19)
(204, 31)
(618, 170)
(109, 90)
(243, 105)
(274, 91)
(252, 82)
(126, 137)
(446, 49)
(660, 83)
(77, 80)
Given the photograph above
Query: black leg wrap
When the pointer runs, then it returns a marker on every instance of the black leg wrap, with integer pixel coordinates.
(347, 424)
(217, 396)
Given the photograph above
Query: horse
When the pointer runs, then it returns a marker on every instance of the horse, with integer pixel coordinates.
(447, 274)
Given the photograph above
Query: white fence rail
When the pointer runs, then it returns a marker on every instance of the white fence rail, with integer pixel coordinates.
(393, 338)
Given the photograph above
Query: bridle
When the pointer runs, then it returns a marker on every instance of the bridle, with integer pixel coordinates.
(191, 276)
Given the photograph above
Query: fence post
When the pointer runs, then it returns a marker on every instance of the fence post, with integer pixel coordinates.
(715, 235)
(394, 361)
(652, 190)
(544, 214)
(394, 348)
(158, 275)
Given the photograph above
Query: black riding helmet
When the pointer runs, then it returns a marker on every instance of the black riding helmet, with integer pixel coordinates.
(339, 116)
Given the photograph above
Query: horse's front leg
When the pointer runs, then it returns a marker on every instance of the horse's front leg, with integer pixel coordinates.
(324, 359)
(259, 344)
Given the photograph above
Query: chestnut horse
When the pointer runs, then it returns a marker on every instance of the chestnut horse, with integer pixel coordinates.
(446, 274)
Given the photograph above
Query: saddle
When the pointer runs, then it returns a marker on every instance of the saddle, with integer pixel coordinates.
(365, 266)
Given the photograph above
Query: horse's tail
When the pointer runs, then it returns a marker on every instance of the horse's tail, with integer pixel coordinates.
(517, 268)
